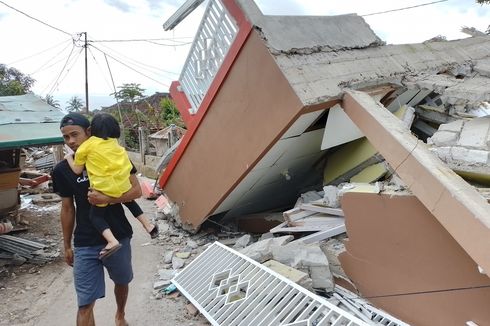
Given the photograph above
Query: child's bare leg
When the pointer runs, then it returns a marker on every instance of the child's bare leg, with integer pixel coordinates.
(145, 222)
(151, 228)
(109, 237)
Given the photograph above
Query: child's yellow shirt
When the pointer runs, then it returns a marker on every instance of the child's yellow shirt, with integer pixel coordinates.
(107, 163)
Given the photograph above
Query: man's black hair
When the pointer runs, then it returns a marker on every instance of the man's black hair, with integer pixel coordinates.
(105, 126)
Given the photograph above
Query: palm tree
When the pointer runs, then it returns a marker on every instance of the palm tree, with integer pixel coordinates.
(51, 101)
(75, 104)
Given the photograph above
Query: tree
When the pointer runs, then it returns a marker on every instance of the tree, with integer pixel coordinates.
(75, 104)
(482, 2)
(14, 82)
(130, 93)
(51, 101)
(170, 113)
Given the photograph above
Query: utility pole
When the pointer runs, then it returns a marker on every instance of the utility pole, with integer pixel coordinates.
(86, 75)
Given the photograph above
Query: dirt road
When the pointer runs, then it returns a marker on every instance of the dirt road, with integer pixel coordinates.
(45, 296)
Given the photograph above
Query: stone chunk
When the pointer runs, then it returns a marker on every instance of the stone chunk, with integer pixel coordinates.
(167, 257)
(177, 263)
(261, 251)
(474, 133)
(454, 126)
(160, 284)
(308, 258)
(243, 241)
(443, 138)
(166, 274)
(183, 255)
(290, 273)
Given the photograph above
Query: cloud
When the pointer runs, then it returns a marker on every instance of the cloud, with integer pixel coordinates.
(158, 4)
(119, 4)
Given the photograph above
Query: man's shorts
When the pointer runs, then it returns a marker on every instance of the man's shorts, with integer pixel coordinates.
(88, 271)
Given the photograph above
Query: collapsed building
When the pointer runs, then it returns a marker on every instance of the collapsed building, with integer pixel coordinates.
(277, 106)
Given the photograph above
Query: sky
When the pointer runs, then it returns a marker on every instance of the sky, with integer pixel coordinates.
(127, 43)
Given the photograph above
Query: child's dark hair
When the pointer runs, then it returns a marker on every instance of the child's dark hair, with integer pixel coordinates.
(104, 126)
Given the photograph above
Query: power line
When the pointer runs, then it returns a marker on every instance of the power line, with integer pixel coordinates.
(142, 40)
(37, 53)
(100, 67)
(129, 67)
(74, 61)
(155, 70)
(405, 8)
(38, 20)
(170, 45)
(42, 67)
(66, 62)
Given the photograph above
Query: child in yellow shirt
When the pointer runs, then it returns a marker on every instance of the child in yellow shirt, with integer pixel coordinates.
(108, 168)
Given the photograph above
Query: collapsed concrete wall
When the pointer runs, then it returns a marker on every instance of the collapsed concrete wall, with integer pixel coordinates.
(403, 260)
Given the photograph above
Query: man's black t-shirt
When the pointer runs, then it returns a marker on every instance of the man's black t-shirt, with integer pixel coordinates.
(67, 184)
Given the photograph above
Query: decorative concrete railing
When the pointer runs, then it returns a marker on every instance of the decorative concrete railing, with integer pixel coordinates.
(211, 44)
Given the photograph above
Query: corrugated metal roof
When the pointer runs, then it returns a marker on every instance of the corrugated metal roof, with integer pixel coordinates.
(27, 120)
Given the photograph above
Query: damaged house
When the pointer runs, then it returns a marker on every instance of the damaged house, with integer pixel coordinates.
(25, 121)
(272, 115)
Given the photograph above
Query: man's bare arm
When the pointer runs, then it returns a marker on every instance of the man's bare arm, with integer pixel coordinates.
(95, 197)
(67, 217)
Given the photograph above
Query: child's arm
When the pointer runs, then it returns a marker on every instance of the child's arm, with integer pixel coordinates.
(96, 198)
(77, 169)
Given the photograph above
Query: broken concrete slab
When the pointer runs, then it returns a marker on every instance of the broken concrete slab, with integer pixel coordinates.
(464, 146)
(411, 253)
(455, 204)
(261, 251)
(287, 271)
(309, 258)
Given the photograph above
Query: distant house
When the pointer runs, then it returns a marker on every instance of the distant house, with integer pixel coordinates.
(163, 139)
(25, 121)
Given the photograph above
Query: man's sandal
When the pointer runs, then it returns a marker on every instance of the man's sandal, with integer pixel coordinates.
(106, 252)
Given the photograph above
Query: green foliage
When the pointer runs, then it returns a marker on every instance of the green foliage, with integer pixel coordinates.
(129, 92)
(75, 104)
(482, 2)
(169, 113)
(51, 101)
(14, 82)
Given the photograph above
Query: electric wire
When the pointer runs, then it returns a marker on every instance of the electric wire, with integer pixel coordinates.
(74, 61)
(143, 40)
(99, 67)
(115, 91)
(38, 20)
(169, 45)
(405, 8)
(38, 53)
(129, 67)
(43, 66)
(59, 75)
(156, 70)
